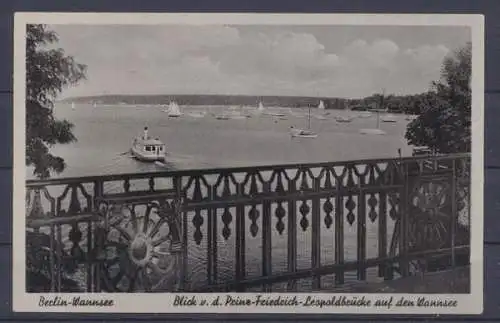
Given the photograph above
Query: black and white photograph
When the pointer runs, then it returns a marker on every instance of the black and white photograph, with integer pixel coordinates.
(248, 163)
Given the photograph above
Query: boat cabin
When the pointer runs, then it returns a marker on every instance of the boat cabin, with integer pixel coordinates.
(147, 148)
(152, 145)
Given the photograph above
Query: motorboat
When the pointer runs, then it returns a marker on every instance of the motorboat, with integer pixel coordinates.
(365, 114)
(372, 131)
(388, 118)
(196, 114)
(146, 148)
(320, 117)
(275, 114)
(222, 117)
(343, 119)
(302, 133)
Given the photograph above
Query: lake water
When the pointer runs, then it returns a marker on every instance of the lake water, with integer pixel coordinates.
(105, 134)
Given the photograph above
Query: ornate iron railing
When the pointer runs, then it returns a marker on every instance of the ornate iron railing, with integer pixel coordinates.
(282, 227)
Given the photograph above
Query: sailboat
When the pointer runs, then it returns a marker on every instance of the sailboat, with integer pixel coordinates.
(260, 109)
(94, 105)
(373, 131)
(377, 130)
(173, 110)
(72, 105)
(321, 105)
(303, 133)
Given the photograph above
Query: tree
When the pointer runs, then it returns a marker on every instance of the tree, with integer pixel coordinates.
(48, 72)
(444, 123)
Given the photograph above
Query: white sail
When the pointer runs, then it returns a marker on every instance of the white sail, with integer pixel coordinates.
(174, 110)
(321, 105)
(261, 107)
(72, 105)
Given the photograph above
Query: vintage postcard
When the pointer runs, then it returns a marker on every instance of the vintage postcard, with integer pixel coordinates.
(248, 163)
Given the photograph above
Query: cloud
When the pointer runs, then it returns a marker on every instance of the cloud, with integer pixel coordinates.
(286, 56)
(427, 54)
(235, 60)
(379, 53)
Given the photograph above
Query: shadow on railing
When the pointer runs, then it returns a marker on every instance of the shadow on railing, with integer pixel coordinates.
(281, 228)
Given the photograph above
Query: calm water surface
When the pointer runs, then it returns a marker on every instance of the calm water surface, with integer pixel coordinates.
(105, 133)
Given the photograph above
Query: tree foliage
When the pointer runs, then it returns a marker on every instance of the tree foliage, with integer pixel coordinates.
(48, 72)
(444, 124)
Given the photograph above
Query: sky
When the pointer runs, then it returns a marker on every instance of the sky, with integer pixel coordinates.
(332, 61)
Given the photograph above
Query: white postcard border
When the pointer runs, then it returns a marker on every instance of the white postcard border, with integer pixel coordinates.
(162, 303)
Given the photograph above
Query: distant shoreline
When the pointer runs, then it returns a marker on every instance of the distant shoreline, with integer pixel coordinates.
(409, 104)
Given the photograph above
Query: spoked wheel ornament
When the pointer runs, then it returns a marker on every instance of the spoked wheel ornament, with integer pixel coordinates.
(141, 252)
(430, 216)
(429, 221)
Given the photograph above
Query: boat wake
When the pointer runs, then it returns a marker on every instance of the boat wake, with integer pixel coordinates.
(165, 165)
(161, 164)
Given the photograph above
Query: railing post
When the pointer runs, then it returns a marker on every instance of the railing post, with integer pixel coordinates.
(292, 236)
(404, 220)
(240, 238)
(316, 236)
(212, 238)
(97, 245)
(361, 231)
(59, 250)
(266, 236)
(383, 269)
(408, 172)
(182, 269)
(454, 215)
(339, 231)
